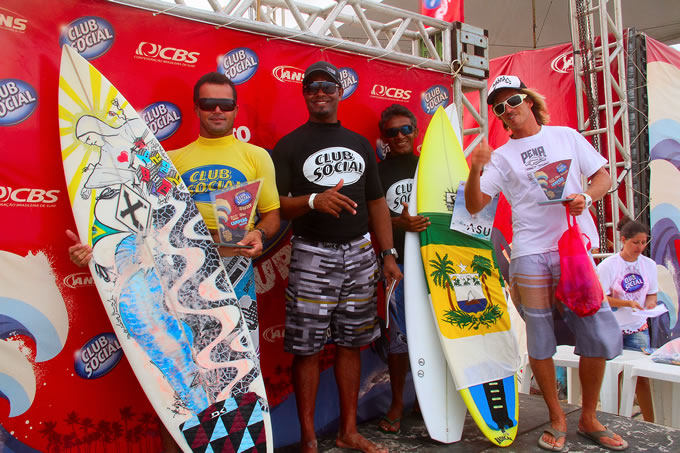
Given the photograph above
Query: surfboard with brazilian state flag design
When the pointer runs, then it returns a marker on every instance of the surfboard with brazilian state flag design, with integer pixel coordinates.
(466, 290)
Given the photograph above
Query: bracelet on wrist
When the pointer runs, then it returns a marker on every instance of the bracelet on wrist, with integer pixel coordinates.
(263, 233)
(310, 202)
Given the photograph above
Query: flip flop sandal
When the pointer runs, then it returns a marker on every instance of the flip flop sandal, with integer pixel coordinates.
(596, 435)
(557, 435)
(391, 423)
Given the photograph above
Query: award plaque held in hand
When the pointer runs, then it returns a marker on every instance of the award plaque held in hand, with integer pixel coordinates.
(234, 210)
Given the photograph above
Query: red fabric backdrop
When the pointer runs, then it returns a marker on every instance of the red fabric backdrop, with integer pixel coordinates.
(151, 59)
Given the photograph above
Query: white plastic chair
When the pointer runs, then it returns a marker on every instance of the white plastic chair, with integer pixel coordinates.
(665, 394)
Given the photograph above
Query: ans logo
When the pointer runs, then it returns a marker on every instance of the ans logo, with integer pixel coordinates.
(349, 80)
(91, 36)
(170, 55)
(274, 333)
(390, 93)
(98, 356)
(26, 196)
(11, 21)
(564, 63)
(328, 166)
(398, 193)
(163, 118)
(78, 280)
(434, 97)
(18, 100)
(238, 64)
(288, 74)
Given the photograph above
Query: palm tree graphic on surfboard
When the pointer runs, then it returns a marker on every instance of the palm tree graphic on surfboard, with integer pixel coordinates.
(471, 308)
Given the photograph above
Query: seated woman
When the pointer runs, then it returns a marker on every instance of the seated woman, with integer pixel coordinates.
(630, 281)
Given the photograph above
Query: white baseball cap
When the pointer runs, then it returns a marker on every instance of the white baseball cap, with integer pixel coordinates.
(501, 82)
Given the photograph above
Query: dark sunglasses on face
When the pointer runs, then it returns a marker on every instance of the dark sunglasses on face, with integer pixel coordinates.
(513, 101)
(326, 87)
(394, 131)
(209, 104)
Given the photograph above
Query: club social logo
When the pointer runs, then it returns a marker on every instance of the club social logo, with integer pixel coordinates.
(349, 80)
(434, 97)
(238, 64)
(18, 100)
(328, 166)
(91, 36)
(398, 193)
(163, 119)
(98, 356)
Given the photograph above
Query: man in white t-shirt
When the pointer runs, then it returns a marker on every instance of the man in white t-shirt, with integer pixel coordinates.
(539, 164)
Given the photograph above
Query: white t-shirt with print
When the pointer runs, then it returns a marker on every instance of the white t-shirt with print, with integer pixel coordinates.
(628, 281)
(545, 166)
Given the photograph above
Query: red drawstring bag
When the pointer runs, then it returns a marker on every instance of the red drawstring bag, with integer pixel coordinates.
(579, 287)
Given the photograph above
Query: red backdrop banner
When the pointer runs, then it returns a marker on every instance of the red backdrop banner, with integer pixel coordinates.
(82, 391)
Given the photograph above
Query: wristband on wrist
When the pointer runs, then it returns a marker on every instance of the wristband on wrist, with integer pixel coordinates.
(310, 202)
(263, 233)
(589, 200)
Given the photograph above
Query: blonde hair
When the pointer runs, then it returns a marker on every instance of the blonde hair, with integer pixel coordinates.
(539, 109)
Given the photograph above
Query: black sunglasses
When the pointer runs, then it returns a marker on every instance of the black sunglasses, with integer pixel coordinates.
(513, 101)
(326, 87)
(209, 104)
(393, 131)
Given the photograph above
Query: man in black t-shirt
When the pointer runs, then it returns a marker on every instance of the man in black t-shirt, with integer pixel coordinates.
(398, 129)
(328, 185)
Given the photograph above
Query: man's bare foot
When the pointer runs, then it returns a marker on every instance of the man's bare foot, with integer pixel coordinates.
(356, 441)
(309, 446)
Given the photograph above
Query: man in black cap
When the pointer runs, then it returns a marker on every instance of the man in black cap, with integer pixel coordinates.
(539, 171)
(329, 186)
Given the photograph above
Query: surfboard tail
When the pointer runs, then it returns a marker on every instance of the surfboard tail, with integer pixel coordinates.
(494, 407)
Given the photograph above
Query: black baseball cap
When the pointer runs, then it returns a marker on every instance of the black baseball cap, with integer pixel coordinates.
(325, 68)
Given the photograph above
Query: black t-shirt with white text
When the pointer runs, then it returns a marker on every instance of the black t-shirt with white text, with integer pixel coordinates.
(312, 159)
(396, 175)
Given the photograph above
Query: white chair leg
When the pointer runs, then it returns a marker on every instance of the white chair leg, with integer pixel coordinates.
(609, 392)
(628, 392)
(573, 386)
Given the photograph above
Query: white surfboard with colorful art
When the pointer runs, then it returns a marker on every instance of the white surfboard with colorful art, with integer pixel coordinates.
(158, 272)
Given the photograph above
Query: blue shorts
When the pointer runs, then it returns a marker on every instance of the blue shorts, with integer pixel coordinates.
(397, 329)
(637, 341)
(533, 280)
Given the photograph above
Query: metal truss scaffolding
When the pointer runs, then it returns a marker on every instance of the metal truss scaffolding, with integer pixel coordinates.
(607, 122)
(638, 118)
(362, 27)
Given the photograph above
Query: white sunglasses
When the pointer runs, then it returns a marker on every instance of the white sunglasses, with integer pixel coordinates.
(513, 101)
